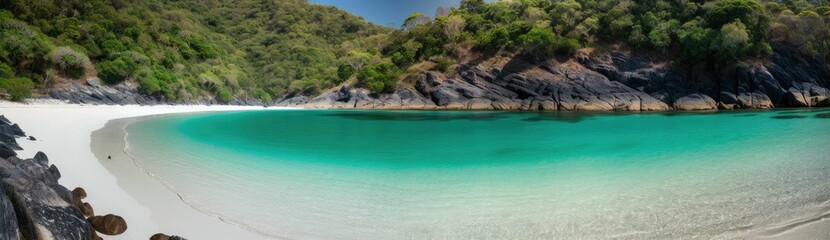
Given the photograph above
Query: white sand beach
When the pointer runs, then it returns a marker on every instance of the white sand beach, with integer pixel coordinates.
(63, 132)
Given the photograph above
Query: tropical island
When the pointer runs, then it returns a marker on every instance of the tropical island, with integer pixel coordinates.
(572, 119)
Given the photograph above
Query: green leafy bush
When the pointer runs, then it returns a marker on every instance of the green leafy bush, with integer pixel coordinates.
(538, 41)
(379, 78)
(566, 46)
(224, 95)
(6, 71)
(71, 62)
(262, 95)
(344, 72)
(17, 88)
(114, 71)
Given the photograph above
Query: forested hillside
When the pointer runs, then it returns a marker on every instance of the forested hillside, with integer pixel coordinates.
(269, 49)
(176, 49)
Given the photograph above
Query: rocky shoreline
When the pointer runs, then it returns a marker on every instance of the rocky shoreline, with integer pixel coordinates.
(33, 205)
(612, 80)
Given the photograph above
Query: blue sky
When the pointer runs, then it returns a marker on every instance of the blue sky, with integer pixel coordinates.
(388, 12)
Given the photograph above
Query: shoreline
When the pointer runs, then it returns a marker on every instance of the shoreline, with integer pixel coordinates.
(64, 132)
(132, 176)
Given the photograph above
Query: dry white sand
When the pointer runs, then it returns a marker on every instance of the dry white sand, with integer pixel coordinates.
(119, 187)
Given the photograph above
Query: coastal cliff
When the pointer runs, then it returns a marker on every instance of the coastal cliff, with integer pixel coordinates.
(613, 80)
(593, 81)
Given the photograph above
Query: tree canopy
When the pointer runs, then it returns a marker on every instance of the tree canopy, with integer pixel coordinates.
(186, 49)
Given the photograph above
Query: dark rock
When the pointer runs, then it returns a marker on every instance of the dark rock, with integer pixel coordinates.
(42, 213)
(10, 141)
(34, 170)
(79, 193)
(728, 98)
(17, 131)
(8, 219)
(41, 159)
(161, 236)
(87, 210)
(344, 94)
(108, 224)
(443, 96)
(55, 172)
(32, 138)
(6, 151)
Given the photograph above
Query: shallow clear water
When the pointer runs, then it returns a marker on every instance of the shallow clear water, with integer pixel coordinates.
(305, 174)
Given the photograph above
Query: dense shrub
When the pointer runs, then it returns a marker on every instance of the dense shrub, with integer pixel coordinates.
(379, 78)
(344, 72)
(71, 62)
(6, 71)
(17, 88)
(224, 95)
(262, 95)
(566, 46)
(114, 71)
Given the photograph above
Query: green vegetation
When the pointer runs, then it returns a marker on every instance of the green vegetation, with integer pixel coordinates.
(177, 50)
(17, 88)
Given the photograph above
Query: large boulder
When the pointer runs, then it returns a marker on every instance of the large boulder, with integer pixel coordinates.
(108, 224)
(8, 219)
(10, 141)
(695, 101)
(6, 151)
(43, 214)
(42, 207)
(41, 159)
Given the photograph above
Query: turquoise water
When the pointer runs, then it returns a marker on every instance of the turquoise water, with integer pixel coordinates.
(304, 174)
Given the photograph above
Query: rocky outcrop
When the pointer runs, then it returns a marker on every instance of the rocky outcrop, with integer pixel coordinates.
(787, 79)
(611, 81)
(34, 206)
(92, 91)
(591, 81)
(8, 219)
(42, 207)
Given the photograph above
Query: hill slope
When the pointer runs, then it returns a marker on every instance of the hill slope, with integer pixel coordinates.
(181, 51)
(176, 50)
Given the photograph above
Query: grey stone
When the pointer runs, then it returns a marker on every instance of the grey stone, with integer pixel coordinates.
(8, 219)
(695, 102)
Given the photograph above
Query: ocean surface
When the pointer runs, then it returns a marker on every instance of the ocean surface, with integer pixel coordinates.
(326, 174)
